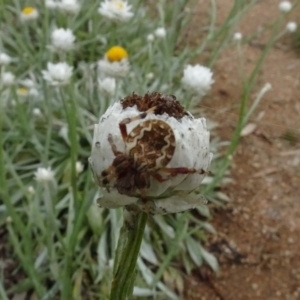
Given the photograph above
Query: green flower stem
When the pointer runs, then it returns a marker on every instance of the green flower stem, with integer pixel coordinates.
(242, 113)
(127, 251)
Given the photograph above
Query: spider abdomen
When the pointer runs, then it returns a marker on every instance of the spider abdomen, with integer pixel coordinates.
(151, 144)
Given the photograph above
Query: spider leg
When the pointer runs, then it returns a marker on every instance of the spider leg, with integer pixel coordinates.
(113, 145)
(122, 124)
(182, 170)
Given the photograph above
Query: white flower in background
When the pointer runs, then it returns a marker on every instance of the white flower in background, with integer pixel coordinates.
(58, 74)
(22, 92)
(160, 32)
(29, 13)
(44, 175)
(115, 63)
(4, 59)
(7, 78)
(79, 167)
(28, 88)
(237, 36)
(69, 6)
(285, 6)
(107, 85)
(31, 190)
(150, 37)
(291, 26)
(171, 146)
(150, 76)
(62, 39)
(197, 79)
(115, 10)
(37, 112)
(51, 4)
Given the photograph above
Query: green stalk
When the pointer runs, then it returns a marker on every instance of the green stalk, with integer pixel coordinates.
(242, 113)
(127, 251)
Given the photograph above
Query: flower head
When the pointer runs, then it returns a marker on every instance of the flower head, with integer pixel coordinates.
(69, 6)
(160, 157)
(197, 79)
(237, 36)
(160, 32)
(58, 74)
(62, 39)
(22, 92)
(107, 85)
(115, 10)
(291, 26)
(37, 112)
(51, 4)
(7, 78)
(79, 167)
(115, 63)
(4, 59)
(44, 175)
(29, 13)
(150, 37)
(285, 6)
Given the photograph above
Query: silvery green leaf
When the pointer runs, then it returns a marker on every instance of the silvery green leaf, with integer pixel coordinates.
(194, 250)
(210, 259)
(147, 253)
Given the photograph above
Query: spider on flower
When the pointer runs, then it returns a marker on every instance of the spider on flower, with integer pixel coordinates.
(149, 148)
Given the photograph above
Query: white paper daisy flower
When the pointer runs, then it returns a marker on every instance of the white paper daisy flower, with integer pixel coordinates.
(69, 6)
(197, 79)
(29, 13)
(116, 10)
(160, 156)
(58, 74)
(285, 6)
(62, 39)
(5, 59)
(107, 85)
(7, 78)
(44, 175)
(160, 32)
(291, 26)
(115, 63)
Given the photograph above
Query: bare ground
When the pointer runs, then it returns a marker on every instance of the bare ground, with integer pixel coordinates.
(258, 238)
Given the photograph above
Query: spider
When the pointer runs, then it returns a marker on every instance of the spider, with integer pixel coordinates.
(149, 148)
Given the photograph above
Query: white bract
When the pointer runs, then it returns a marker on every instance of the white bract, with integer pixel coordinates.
(171, 195)
(197, 79)
(44, 175)
(58, 74)
(116, 69)
(285, 6)
(160, 32)
(7, 78)
(5, 59)
(115, 10)
(291, 26)
(69, 6)
(62, 39)
(107, 85)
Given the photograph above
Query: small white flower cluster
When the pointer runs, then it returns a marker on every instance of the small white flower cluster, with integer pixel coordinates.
(159, 33)
(170, 194)
(197, 79)
(67, 6)
(116, 10)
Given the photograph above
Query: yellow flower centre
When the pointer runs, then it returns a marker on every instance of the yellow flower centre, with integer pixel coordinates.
(22, 91)
(119, 4)
(116, 53)
(28, 10)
